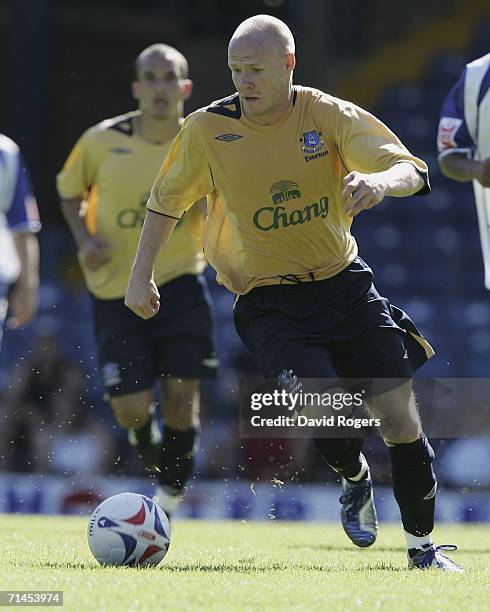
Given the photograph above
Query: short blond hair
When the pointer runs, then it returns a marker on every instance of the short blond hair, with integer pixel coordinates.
(167, 52)
(268, 26)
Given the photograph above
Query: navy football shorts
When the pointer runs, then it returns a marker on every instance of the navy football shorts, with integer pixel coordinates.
(337, 327)
(176, 342)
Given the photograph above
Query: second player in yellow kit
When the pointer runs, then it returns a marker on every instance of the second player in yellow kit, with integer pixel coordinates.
(108, 176)
(115, 166)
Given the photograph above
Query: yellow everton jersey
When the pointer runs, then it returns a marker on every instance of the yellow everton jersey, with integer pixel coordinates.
(114, 169)
(274, 205)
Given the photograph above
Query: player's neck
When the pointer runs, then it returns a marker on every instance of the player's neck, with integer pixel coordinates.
(275, 114)
(157, 131)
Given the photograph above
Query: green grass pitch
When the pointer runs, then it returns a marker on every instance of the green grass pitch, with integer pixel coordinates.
(228, 566)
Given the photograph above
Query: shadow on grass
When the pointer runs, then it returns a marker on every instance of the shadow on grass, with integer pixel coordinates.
(374, 548)
(346, 548)
(72, 565)
(240, 567)
(252, 568)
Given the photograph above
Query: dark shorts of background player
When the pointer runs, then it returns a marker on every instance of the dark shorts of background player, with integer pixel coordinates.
(338, 327)
(177, 342)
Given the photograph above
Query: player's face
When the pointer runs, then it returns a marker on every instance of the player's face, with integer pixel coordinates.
(160, 90)
(261, 76)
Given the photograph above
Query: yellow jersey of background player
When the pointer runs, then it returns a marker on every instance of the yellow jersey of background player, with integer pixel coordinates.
(109, 173)
(114, 167)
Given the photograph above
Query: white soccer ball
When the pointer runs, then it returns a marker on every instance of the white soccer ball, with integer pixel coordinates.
(128, 529)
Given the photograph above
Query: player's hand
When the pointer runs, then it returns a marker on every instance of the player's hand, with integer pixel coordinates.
(23, 302)
(142, 296)
(95, 252)
(361, 191)
(483, 176)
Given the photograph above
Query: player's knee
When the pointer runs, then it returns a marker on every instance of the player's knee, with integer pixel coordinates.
(402, 430)
(400, 421)
(130, 417)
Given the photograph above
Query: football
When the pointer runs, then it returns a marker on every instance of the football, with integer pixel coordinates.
(128, 529)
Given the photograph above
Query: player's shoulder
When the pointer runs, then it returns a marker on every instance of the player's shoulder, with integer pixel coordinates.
(122, 125)
(224, 108)
(480, 62)
(216, 115)
(321, 102)
(8, 146)
(308, 95)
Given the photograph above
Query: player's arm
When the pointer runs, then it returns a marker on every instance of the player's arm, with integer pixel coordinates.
(76, 178)
(94, 249)
(455, 143)
(23, 299)
(184, 178)
(459, 167)
(23, 221)
(142, 295)
(363, 191)
(377, 163)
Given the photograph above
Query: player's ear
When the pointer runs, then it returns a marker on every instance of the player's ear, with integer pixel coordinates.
(290, 62)
(135, 90)
(187, 87)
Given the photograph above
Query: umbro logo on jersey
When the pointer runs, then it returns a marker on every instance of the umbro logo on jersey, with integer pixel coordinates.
(228, 137)
(120, 150)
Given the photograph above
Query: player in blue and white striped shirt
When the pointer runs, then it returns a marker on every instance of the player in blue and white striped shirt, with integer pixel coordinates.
(19, 252)
(464, 141)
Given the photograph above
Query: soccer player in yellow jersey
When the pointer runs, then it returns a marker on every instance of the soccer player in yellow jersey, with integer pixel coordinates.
(104, 187)
(285, 169)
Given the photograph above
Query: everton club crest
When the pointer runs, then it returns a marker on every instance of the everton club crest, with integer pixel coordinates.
(312, 143)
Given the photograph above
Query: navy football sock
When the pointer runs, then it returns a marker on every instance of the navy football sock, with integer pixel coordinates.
(414, 484)
(342, 454)
(177, 456)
